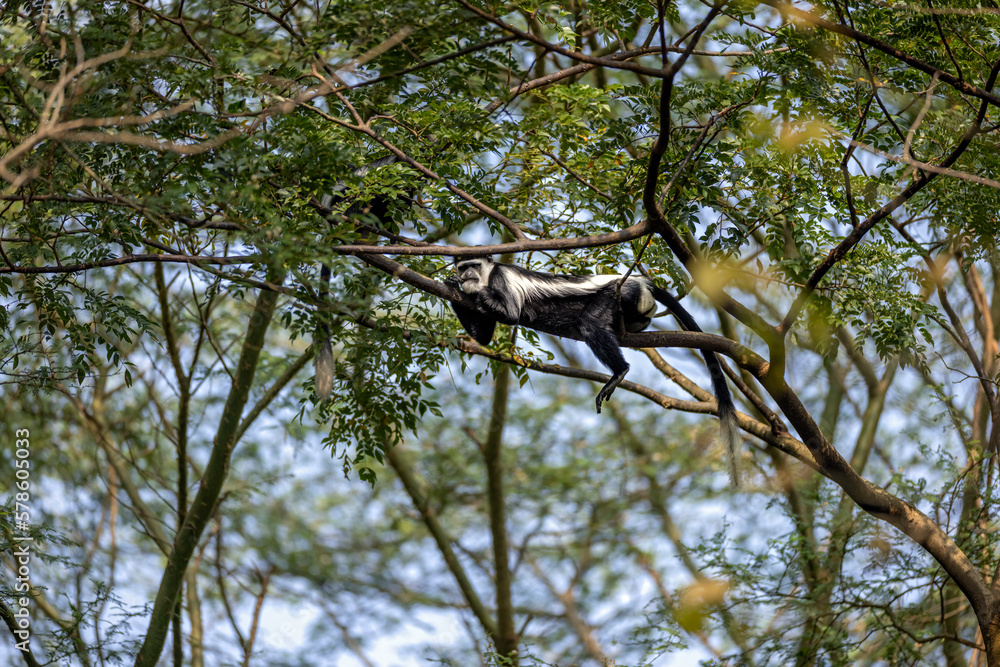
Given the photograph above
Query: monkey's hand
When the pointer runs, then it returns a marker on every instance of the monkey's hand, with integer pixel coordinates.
(608, 389)
(453, 282)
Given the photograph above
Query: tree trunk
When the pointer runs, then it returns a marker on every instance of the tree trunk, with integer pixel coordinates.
(214, 476)
(506, 637)
(991, 637)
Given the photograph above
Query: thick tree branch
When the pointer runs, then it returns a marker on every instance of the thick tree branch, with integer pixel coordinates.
(883, 505)
(506, 638)
(871, 498)
(214, 477)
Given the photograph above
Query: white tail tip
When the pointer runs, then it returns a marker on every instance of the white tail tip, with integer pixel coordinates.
(324, 370)
(731, 441)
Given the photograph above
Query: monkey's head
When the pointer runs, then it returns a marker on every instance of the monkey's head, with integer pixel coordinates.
(474, 273)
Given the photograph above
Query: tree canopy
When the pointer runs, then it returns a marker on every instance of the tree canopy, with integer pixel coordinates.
(193, 197)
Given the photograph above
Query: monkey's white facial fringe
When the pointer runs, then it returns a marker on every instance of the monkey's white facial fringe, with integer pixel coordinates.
(474, 274)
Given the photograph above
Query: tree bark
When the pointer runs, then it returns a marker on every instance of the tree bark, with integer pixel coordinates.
(991, 637)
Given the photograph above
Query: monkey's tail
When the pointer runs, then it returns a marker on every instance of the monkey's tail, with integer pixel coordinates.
(729, 429)
(324, 368)
(321, 341)
(324, 348)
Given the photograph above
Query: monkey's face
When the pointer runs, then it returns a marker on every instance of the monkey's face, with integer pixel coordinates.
(474, 274)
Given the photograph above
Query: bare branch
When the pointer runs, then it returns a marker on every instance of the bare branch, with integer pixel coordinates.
(569, 53)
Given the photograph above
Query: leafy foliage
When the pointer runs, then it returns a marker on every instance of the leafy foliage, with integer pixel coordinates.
(831, 177)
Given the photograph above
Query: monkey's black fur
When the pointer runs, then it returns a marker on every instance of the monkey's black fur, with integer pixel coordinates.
(586, 308)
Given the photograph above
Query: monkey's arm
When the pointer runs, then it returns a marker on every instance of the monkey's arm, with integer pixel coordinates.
(500, 309)
(478, 325)
(497, 299)
(475, 324)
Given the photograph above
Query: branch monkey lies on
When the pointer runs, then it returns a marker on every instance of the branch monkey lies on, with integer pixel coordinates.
(585, 308)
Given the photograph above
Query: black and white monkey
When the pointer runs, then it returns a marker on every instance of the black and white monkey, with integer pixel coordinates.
(585, 308)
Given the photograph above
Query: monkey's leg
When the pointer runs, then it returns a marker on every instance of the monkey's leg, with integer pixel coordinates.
(605, 346)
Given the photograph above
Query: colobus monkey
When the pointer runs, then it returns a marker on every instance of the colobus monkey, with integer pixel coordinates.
(585, 308)
(378, 207)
